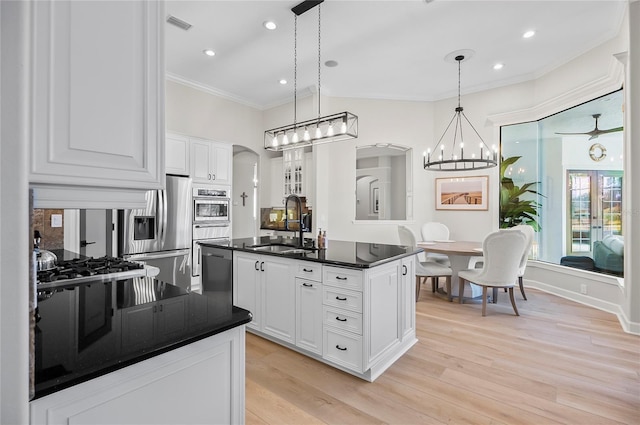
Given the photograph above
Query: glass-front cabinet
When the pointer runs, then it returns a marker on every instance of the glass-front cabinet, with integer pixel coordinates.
(293, 168)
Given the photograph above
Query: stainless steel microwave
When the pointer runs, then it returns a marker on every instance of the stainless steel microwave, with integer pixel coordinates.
(211, 205)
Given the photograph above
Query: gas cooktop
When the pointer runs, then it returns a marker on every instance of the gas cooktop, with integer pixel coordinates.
(82, 270)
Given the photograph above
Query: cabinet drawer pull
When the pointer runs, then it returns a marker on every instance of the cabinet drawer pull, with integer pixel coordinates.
(213, 176)
(209, 177)
(256, 266)
(308, 285)
(340, 348)
(262, 266)
(340, 320)
(404, 270)
(340, 299)
(341, 278)
(307, 270)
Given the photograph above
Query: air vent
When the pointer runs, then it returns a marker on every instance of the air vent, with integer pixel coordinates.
(178, 23)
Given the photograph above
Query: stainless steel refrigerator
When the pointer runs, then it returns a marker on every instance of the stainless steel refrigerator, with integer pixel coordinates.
(160, 234)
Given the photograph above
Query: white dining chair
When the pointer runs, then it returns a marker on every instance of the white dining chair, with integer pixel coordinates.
(434, 231)
(425, 269)
(530, 234)
(502, 255)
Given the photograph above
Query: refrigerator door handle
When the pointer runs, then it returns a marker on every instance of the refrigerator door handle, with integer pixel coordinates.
(164, 217)
(159, 255)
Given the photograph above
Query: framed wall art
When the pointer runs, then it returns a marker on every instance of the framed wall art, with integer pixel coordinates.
(462, 193)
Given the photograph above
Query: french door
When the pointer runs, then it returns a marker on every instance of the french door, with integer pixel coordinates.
(594, 208)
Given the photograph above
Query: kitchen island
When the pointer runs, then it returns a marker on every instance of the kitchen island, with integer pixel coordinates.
(137, 350)
(351, 305)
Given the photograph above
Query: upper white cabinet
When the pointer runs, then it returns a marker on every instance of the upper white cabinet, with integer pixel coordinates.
(293, 171)
(177, 154)
(98, 94)
(292, 174)
(211, 161)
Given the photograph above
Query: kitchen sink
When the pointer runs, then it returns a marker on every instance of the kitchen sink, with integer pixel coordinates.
(281, 249)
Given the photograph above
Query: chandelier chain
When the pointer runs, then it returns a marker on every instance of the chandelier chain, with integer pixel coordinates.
(319, 59)
(295, 70)
(459, 83)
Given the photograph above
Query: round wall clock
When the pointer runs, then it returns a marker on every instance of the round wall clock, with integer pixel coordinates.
(597, 152)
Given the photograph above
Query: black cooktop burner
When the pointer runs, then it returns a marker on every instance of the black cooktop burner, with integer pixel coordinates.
(87, 267)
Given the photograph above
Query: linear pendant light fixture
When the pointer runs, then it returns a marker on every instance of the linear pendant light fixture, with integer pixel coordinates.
(330, 128)
(454, 157)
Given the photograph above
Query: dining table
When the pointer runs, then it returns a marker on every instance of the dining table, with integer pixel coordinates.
(460, 254)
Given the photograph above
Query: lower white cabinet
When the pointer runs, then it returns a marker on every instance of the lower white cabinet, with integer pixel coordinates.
(199, 383)
(264, 285)
(309, 315)
(359, 320)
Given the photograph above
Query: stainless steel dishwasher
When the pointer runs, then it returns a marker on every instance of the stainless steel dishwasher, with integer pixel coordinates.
(217, 277)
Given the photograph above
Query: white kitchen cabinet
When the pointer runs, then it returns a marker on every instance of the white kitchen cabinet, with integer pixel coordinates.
(199, 383)
(211, 162)
(177, 154)
(98, 98)
(247, 285)
(309, 306)
(292, 174)
(358, 320)
(408, 297)
(383, 289)
(264, 285)
(293, 171)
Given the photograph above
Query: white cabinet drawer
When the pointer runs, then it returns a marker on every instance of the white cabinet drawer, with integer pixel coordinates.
(342, 298)
(343, 319)
(310, 271)
(343, 278)
(343, 349)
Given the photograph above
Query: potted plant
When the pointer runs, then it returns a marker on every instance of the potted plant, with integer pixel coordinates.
(513, 209)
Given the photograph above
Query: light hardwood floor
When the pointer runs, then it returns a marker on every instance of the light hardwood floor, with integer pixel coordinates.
(558, 363)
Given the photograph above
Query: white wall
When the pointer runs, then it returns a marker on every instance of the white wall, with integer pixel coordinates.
(245, 213)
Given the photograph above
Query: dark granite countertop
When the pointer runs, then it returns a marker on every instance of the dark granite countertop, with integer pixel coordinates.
(90, 330)
(339, 253)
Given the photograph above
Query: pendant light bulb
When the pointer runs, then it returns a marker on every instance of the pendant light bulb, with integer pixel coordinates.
(285, 139)
(343, 127)
(318, 134)
(305, 136)
(294, 138)
(330, 130)
(275, 140)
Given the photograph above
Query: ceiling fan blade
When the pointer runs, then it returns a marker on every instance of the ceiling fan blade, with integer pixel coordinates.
(574, 134)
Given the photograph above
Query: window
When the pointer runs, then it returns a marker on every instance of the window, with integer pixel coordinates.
(575, 156)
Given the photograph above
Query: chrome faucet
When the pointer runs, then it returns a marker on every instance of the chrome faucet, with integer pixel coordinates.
(298, 202)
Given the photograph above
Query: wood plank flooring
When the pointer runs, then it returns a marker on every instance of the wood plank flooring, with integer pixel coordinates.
(558, 363)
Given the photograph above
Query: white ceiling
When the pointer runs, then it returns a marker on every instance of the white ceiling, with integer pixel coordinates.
(392, 49)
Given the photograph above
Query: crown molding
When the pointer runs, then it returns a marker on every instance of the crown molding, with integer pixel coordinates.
(610, 82)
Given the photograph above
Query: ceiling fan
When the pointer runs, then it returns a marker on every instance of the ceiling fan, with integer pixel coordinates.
(596, 131)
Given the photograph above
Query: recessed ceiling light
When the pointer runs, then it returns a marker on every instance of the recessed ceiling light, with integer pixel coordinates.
(209, 52)
(498, 66)
(331, 63)
(529, 34)
(270, 25)
(283, 81)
